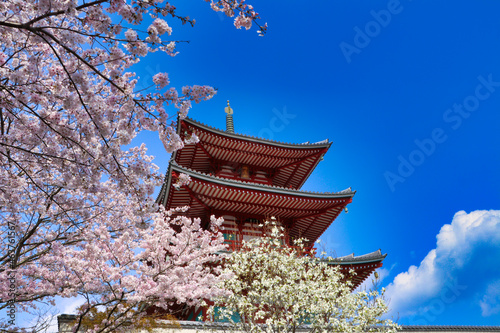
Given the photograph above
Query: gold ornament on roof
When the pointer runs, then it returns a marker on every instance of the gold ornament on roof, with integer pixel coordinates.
(229, 118)
(228, 109)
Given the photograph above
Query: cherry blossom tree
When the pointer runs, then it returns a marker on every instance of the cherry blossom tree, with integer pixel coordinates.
(276, 288)
(77, 218)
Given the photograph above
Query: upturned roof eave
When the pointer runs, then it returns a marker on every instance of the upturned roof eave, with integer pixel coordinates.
(348, 193)
(368, 258)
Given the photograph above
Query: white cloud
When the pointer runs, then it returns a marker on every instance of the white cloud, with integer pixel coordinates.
(69, 305)
(438, 280)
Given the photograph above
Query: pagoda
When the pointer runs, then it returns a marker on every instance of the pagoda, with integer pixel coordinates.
(247, 180)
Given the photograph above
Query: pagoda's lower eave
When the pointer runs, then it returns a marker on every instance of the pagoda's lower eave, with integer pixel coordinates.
(175, 168)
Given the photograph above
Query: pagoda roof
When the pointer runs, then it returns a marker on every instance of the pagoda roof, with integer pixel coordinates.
(311, 212)
(363, 265)
(291, 163)
(362, 259)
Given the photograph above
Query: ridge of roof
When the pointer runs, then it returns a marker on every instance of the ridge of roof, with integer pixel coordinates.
(403, 328)
(346, 192)
(449, 328)
(364, 258)
(323, 143)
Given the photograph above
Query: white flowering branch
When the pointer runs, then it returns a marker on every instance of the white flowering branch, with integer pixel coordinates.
(274, 288)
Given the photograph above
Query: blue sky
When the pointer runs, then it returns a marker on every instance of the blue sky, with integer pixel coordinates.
(409, 93)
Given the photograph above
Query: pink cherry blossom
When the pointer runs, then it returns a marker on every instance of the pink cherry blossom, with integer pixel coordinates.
(77, 217)
(161, 80)
(162, 26)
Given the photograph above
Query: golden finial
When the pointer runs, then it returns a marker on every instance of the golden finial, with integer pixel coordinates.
(229, 118)
(228, 109)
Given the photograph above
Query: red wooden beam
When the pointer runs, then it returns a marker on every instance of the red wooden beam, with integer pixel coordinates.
(193, 155)
(321, 152)
(323, 211)
(198, 144)
(195, 197)
(255, 204)
(291, 176)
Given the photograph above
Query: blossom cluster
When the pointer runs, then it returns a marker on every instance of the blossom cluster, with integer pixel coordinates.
(182, 180)
(247, 15)
(276, 288)
(161, 80)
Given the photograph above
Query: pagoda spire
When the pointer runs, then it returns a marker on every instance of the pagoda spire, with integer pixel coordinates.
(229, 118)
